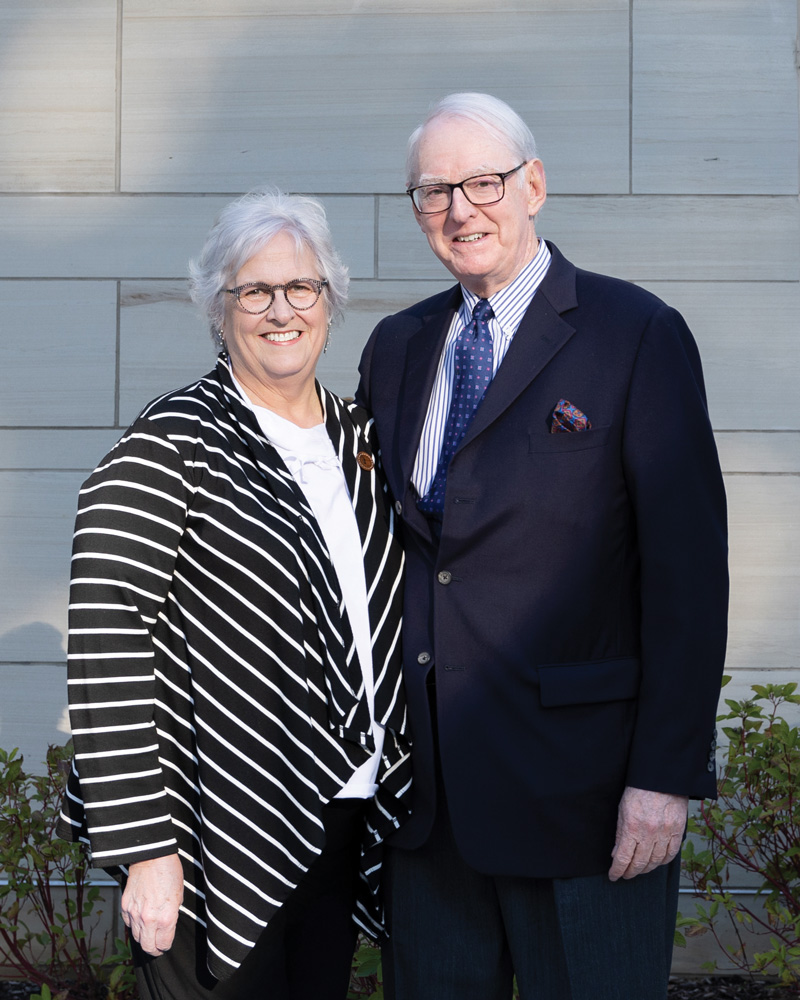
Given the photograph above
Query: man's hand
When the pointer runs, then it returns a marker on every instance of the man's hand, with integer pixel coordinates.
(151, 901)
(650, 827)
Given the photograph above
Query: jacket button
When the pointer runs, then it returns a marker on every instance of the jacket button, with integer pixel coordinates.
(424, 658)
(398, 507)
(711, 766)
(444, 577)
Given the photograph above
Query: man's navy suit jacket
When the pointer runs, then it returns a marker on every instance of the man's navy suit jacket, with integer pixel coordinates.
(575, 609)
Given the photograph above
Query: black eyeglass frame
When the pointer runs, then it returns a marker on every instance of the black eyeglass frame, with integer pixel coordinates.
(452, 187)
(318, 283)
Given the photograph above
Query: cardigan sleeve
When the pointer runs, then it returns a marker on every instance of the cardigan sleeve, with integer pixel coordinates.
(131, 516)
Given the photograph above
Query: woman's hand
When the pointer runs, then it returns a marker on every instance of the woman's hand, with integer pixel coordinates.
(151, 901)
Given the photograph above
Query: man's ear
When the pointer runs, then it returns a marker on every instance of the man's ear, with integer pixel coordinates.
(537, 186)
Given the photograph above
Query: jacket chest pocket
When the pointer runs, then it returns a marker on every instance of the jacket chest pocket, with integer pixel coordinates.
(568, 441)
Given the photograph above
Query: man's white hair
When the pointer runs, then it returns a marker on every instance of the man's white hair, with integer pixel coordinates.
(495, 116)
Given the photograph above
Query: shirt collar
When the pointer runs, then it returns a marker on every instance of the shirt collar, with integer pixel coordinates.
(510, 303)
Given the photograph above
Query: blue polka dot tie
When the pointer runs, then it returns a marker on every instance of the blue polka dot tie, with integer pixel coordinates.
(471, 377)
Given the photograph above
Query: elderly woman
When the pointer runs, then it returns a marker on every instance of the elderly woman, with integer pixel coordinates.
(235, 691)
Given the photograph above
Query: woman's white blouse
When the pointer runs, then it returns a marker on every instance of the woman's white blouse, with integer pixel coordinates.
(309, 455)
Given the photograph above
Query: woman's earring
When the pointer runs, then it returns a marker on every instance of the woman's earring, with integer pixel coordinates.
(327, 340)
(220, 336)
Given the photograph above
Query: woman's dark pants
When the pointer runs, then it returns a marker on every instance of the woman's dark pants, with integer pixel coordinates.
(306, 951)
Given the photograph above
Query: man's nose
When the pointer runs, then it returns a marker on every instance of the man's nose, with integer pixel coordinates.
(461, 208)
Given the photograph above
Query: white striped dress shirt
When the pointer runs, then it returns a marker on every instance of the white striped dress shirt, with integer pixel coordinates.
(509, 305)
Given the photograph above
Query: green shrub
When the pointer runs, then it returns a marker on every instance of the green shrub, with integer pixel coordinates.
(366, 980)
(753, 828)
(48, 908)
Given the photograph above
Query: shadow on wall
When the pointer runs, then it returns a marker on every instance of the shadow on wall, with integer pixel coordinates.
(37, 635)
(33, 709)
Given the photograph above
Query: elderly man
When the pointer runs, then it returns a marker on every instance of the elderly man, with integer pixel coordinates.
(545, 436)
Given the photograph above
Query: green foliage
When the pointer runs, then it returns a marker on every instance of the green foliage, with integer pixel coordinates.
(753, 828)
(48, 909)
(366, 980)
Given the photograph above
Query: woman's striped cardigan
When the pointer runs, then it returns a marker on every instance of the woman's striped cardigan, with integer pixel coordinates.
(216, 698)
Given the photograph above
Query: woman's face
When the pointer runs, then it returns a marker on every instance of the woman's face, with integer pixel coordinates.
(277, 350)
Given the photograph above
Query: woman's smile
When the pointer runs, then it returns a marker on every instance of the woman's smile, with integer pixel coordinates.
(281, 336)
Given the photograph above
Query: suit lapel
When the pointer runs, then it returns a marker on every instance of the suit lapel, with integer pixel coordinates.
(541, 335)
(422, 363)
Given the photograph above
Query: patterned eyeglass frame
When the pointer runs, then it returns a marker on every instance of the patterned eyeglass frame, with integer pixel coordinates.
(318, 283)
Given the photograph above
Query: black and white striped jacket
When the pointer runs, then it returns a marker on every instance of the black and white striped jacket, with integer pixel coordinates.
(216, 698)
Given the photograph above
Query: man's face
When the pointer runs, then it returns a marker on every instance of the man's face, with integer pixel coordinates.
(484, 247)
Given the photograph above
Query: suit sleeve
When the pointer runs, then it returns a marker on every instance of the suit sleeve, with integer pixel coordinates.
(675, 482)
(131, 517)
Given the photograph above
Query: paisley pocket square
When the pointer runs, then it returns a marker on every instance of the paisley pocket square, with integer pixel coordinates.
(566, 418)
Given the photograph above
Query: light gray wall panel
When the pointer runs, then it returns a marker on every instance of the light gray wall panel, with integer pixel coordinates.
(679, 239)
(102, 237)
(749, 451)
(748, 338)
(334, 113)
(637, 238)
(33, 709)
(164, 343)
(143, 237)
(54, 449)
(714, 97)
(37, 514)
(62, 368)
(765, 583)
(57, 96)
(327, 8)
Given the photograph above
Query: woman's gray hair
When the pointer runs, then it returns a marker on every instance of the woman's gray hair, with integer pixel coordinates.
(490, 113)
(246, 226)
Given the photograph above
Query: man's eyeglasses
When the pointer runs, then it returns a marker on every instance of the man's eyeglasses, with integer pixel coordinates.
(484, 189)
(256, 296)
